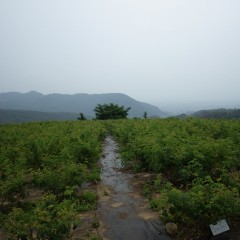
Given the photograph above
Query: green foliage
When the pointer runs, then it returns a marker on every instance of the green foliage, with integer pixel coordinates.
(197, 164)
(87, 201)
(33, 154)
(56, 180)
(145, 115)
(206, 202)
(111, 111)
(94, 175)
(198, 161)
(48, 217)
(18, 223)
(82, 117)
(53, 217)
(83, 152)
(218, 113)
(53, 158)
(11, 186)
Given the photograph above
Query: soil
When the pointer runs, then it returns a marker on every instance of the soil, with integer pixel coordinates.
(123, 212)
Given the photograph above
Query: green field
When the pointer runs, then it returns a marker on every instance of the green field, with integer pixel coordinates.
(53, 158)
(196, 165)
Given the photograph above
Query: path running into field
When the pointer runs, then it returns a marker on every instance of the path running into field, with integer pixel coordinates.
(124, 213)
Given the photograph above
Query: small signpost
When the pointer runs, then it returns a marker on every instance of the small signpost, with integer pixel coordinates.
(220, 227)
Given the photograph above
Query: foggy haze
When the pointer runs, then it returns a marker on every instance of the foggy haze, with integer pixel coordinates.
(174, 54)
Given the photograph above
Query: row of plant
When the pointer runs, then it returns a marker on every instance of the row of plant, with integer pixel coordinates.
(52, 159)
(197, 163)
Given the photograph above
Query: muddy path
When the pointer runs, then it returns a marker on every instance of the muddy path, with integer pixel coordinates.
(124, 214)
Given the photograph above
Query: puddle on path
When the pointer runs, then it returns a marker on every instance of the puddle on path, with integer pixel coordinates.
(124, 213)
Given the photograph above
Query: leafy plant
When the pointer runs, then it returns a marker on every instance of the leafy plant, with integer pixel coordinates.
(111, 111)
(87, 201)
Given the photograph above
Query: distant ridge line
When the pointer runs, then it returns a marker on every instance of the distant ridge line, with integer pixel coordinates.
(74, 103)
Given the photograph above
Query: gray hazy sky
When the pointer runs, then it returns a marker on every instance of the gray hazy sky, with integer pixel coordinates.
(153, 50)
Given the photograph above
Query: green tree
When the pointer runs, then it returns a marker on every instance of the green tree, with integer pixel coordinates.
(82, 117)
(145, 115)
(111, 111)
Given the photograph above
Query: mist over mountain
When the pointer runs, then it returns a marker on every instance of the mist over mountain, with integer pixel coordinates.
(76, 103)
(218, 113)
(188, 107)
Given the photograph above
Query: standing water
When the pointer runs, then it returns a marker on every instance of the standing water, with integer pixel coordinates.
(124, 214)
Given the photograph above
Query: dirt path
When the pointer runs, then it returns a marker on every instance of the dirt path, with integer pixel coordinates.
(123, 212)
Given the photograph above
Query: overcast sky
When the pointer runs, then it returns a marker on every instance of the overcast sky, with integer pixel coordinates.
(159, 51)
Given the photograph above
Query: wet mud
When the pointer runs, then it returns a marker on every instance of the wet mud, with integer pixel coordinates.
(124, 214)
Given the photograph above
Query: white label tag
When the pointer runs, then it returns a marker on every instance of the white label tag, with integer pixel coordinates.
(220, 227)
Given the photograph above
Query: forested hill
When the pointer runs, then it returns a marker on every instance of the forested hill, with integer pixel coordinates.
(76, 103)
(218, 113)
(20, 116)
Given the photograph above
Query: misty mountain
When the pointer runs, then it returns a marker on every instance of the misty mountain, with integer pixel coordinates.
(81, 102)
(221, 113)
